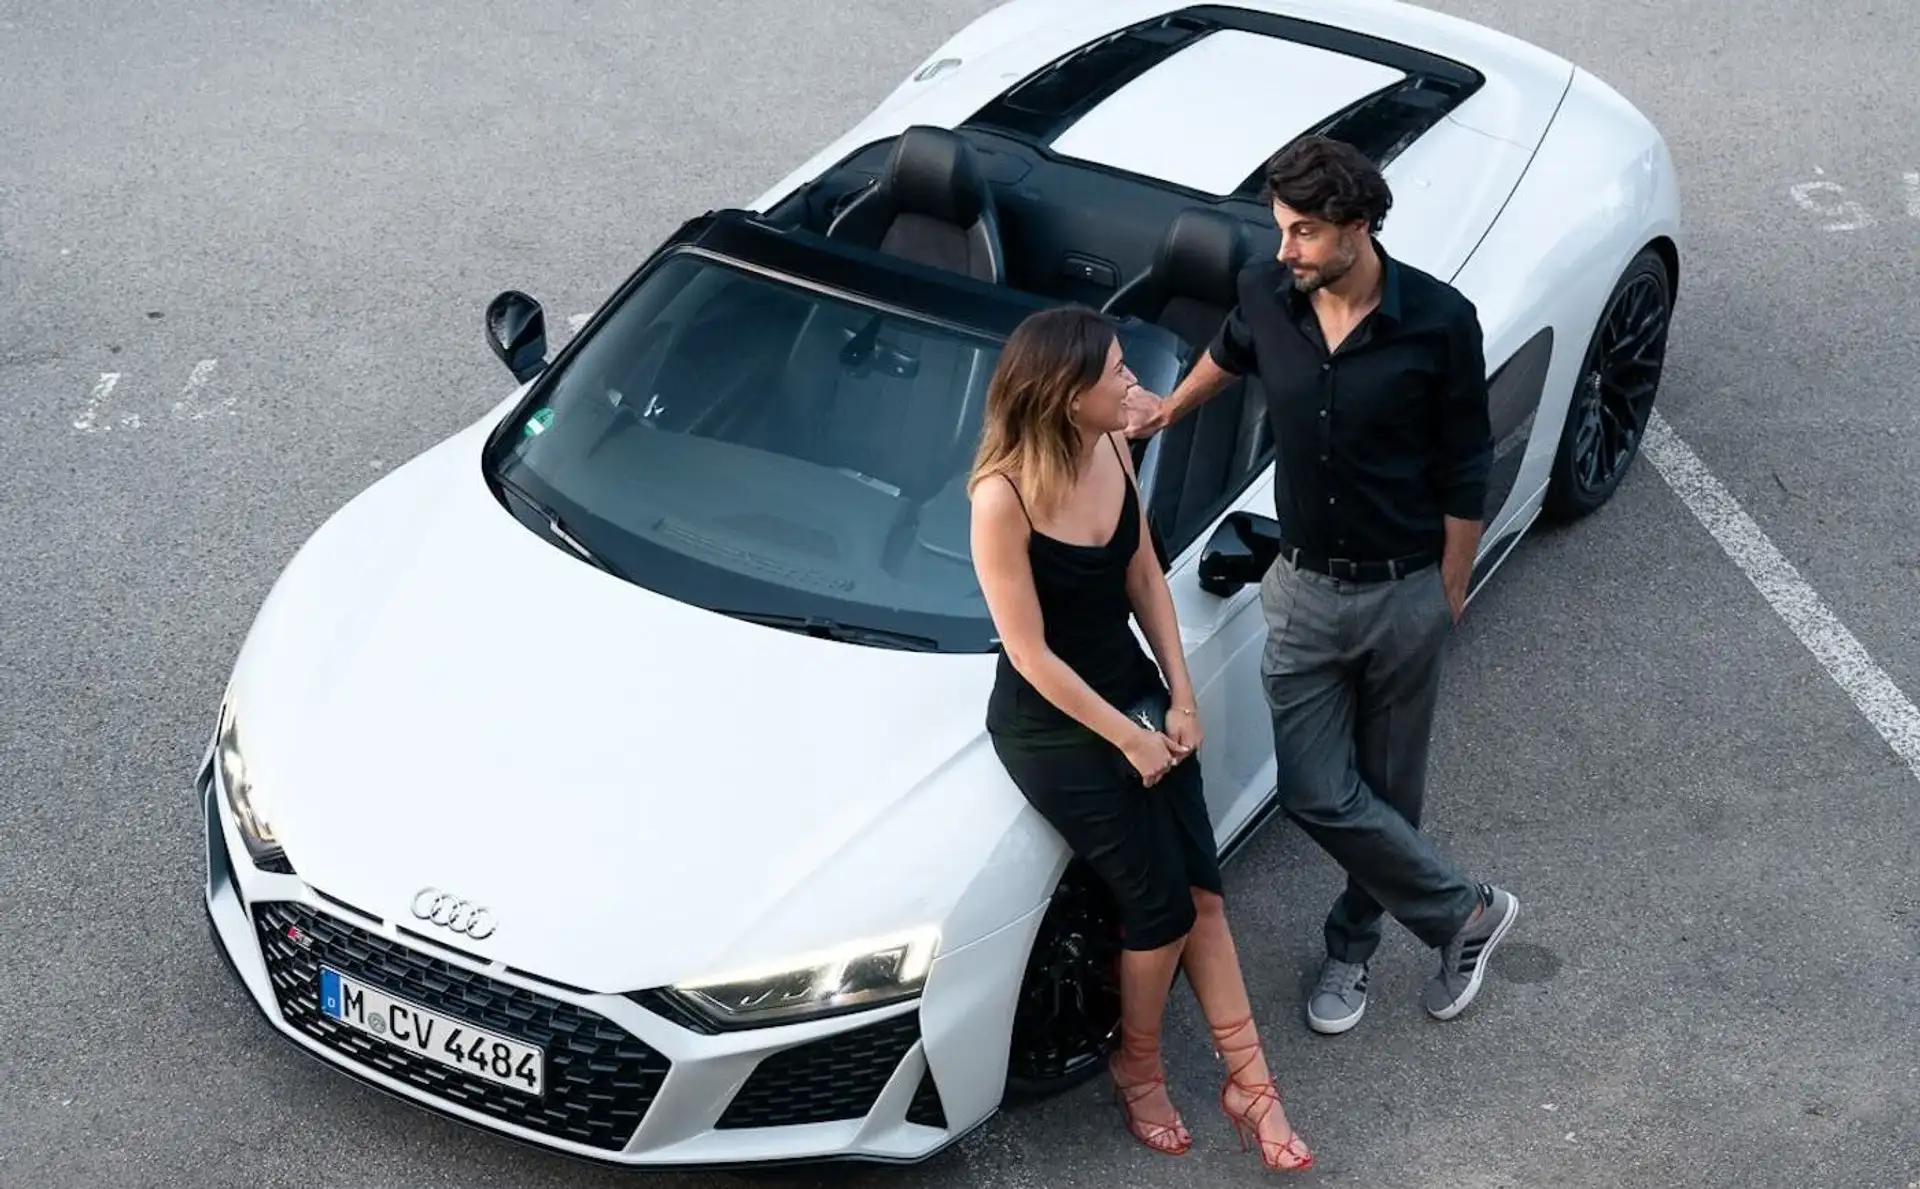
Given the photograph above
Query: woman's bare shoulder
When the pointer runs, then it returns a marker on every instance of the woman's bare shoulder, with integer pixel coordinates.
(995, 496)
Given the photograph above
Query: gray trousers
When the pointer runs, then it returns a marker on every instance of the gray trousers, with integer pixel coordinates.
(1352, 674)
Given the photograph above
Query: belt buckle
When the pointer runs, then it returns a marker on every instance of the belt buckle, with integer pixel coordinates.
(1343, 568)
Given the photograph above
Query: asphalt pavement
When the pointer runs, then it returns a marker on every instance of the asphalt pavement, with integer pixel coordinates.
(244, 248)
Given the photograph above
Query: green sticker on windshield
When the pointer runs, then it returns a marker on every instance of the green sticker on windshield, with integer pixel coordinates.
(537, 424)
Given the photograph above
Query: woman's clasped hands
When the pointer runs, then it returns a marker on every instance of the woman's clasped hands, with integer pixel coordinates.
(1154, 753)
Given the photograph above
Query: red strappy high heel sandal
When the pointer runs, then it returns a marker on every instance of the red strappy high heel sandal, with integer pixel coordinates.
(1293, 1154)
(1169, 1139)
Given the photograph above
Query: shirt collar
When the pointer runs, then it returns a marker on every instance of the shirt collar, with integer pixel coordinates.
(1389, 284)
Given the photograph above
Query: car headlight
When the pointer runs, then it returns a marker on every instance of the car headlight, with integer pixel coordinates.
(242, 798)
(849, 978)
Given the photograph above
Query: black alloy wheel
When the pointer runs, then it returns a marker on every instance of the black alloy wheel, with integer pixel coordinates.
(1068, 1017)
(1613, 397)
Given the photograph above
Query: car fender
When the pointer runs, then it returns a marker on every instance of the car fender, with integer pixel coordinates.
(1600, 188)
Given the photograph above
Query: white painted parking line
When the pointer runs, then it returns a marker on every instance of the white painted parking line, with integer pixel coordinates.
(1890, 711)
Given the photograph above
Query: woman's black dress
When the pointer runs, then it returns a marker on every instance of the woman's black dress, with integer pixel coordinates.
(1151, 845)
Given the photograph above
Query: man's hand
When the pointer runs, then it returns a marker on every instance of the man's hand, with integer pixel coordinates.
(1456, 563)
(1146, 412)
(1453, 577)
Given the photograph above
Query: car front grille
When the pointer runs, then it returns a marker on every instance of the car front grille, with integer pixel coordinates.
(600, 1079)
(834, 1078)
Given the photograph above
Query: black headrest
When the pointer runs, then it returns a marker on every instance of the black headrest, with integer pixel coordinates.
(1201, 256)
(932, 171)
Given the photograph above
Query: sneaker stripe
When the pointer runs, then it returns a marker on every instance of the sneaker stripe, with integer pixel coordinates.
(1461, 969)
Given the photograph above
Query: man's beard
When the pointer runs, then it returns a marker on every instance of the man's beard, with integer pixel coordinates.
(1329, 274)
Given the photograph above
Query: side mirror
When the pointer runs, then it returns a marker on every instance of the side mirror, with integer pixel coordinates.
(517, 331)
(1239, 553)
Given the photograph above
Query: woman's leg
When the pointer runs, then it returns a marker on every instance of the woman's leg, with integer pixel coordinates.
(1121, 834)
(1146, 977)
(1213, 967)
(1157, 915)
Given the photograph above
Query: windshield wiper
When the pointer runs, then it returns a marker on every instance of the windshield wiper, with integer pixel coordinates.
(813, 625)
(558, 527)
(833, 629)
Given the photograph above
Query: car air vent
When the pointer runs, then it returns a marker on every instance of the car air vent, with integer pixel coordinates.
(1043, 104)
(1383, 124)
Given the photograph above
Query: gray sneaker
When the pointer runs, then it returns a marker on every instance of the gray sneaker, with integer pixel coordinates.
(1463, 961)
(1340, 999)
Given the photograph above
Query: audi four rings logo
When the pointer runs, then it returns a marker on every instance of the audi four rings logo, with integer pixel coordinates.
(450, 912)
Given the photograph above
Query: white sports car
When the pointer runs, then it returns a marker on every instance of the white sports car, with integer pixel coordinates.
(612, 776)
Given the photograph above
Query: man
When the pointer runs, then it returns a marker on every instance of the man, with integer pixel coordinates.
(1377, 398)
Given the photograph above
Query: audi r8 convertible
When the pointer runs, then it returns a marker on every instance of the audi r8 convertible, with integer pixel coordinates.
(612, 776)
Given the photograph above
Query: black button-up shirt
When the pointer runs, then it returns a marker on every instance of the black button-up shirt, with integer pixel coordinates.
(1379, 440)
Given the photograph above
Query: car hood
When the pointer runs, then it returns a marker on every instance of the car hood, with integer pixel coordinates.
(640, 790)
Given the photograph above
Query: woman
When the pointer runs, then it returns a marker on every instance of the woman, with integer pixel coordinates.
(1098, 743)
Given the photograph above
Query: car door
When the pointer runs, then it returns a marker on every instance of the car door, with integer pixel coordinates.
(1224, 638)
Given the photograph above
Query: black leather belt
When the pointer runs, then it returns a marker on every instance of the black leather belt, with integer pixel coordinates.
(1349, 570)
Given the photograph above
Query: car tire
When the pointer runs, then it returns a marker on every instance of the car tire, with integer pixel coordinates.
(1614, 394)
(1067, 1019)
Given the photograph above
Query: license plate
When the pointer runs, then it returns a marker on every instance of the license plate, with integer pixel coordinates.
(451, 1042)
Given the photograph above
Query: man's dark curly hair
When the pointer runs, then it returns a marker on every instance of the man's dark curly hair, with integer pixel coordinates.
(1329, 179)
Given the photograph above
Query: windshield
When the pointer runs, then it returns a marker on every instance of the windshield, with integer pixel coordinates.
(757, 447)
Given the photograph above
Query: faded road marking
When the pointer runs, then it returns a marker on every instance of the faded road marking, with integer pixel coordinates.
(1830, 201)
(1879, 699)
(1847, 215)
(88, 422)
(202, 372)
